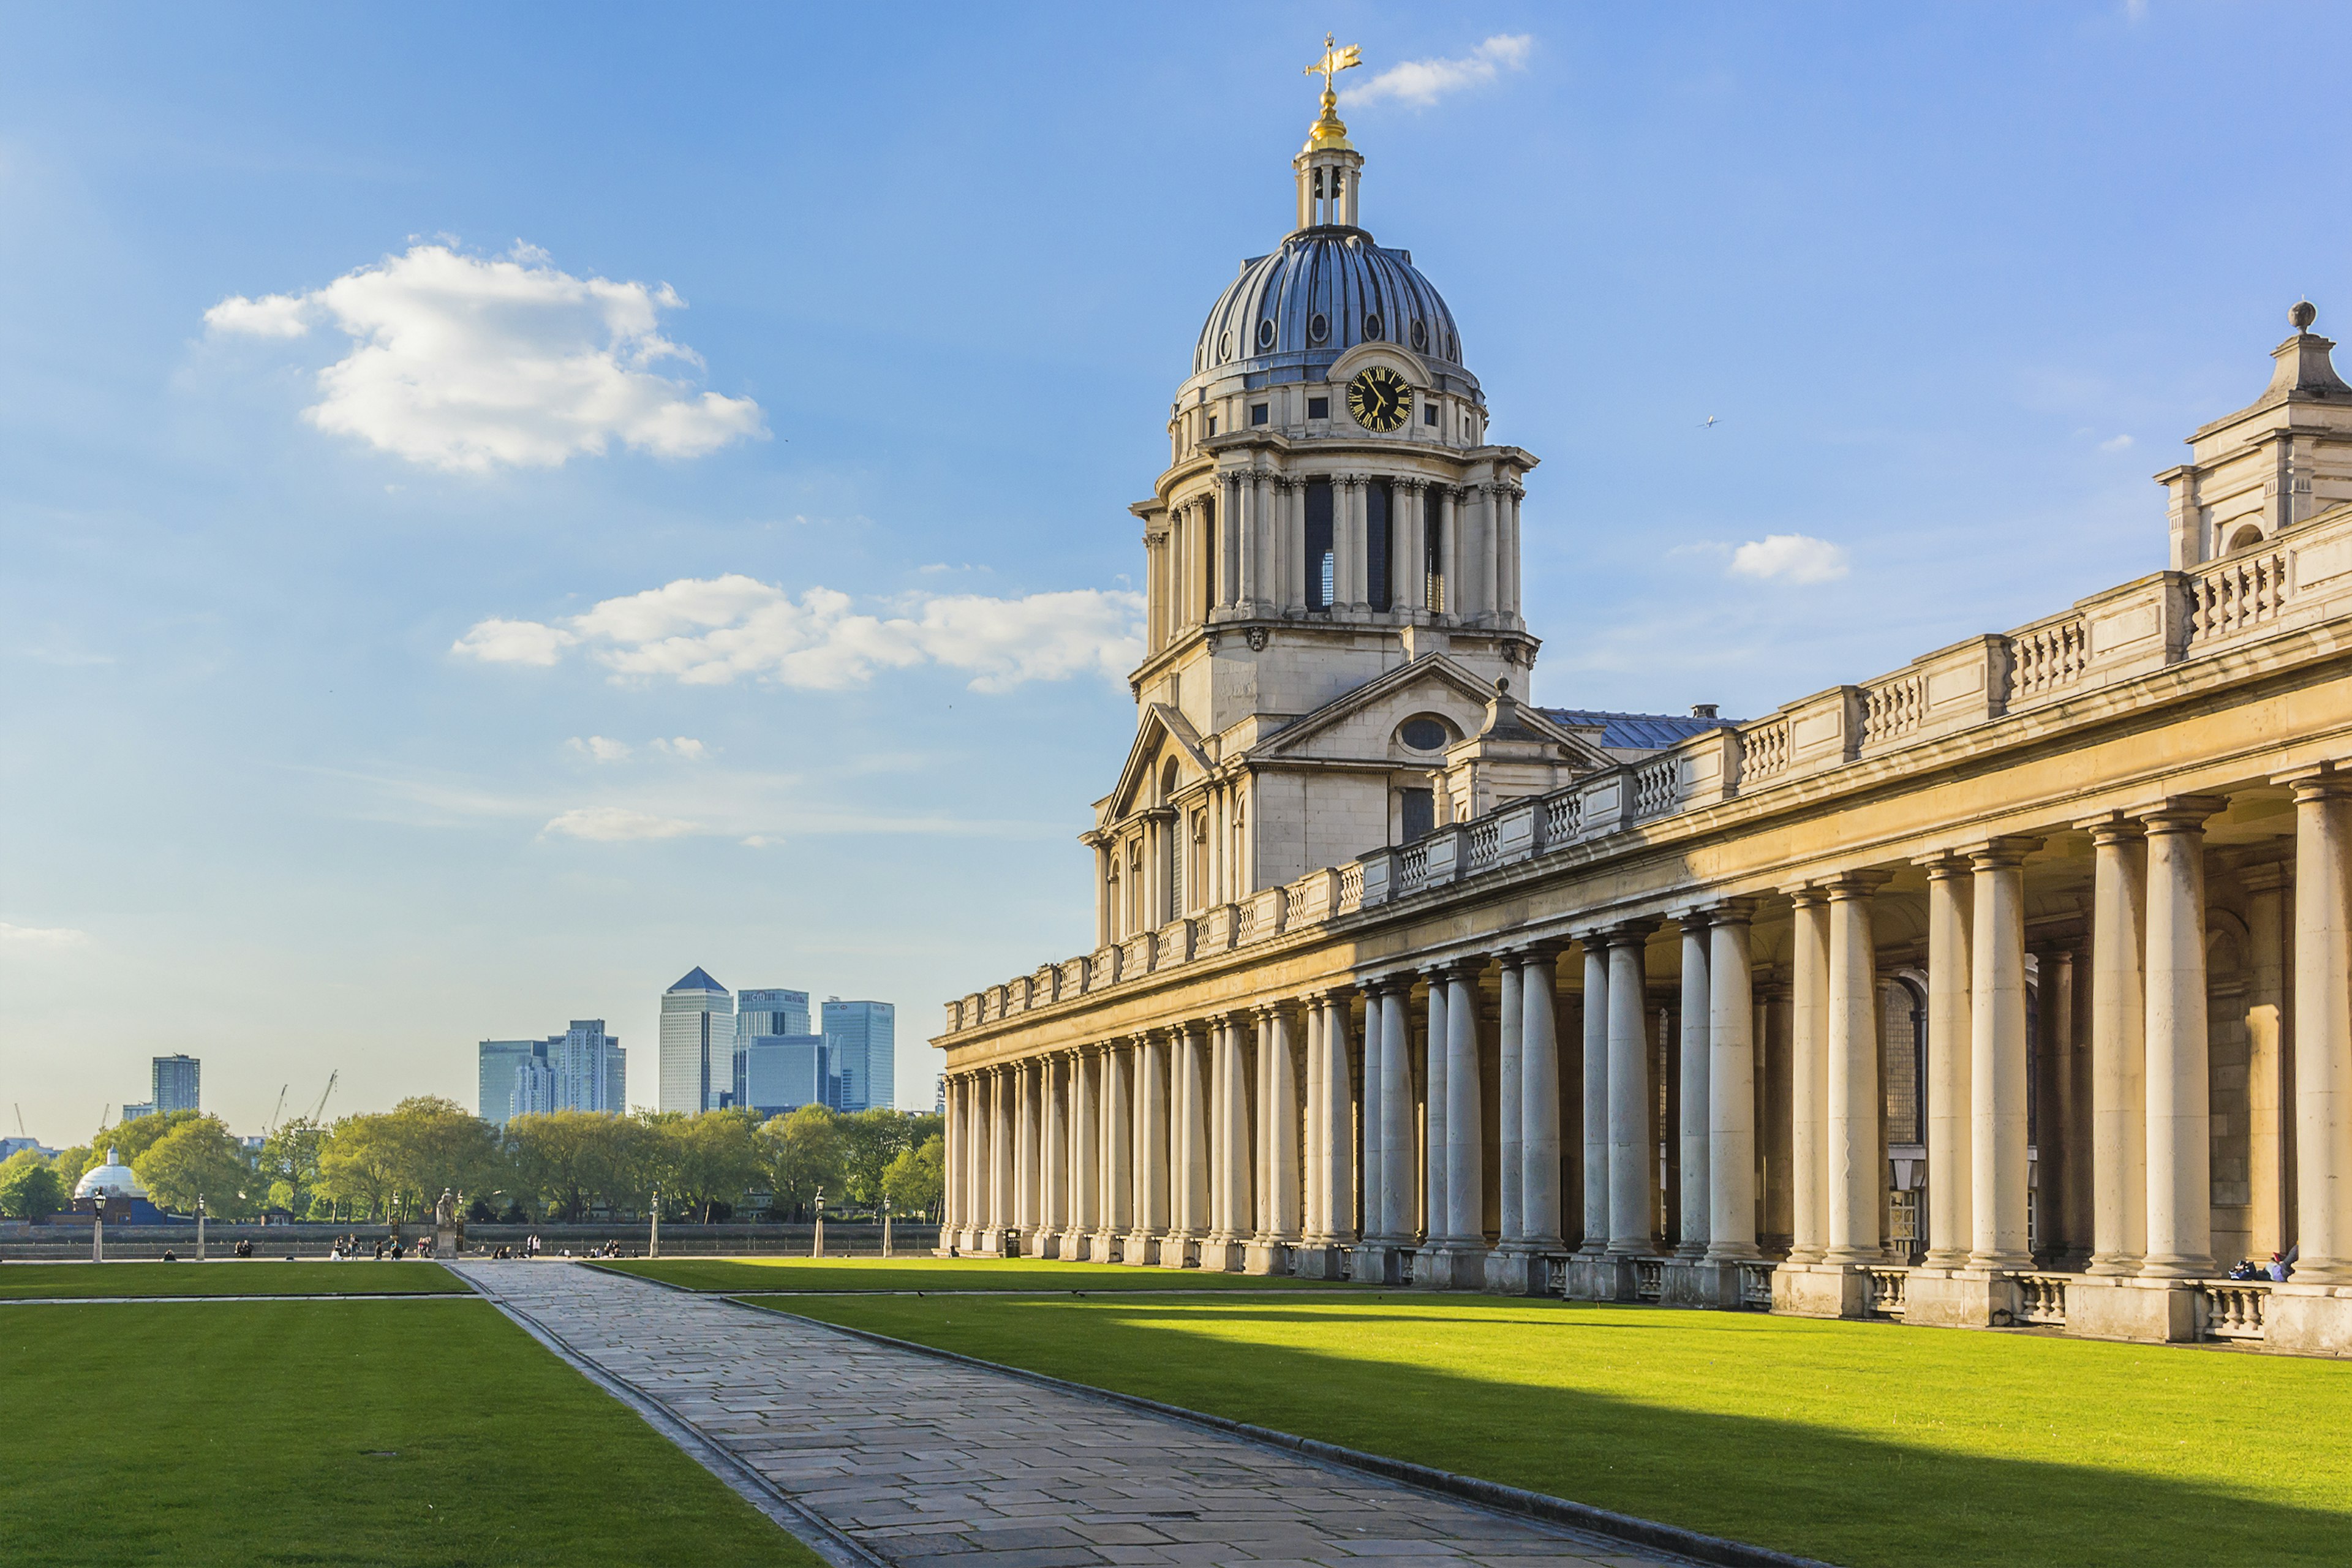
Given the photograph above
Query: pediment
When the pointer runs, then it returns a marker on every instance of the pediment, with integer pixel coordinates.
(1357, 726)
(1162, 727)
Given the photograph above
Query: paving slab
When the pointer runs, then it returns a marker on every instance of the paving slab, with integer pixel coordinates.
(914, 1460)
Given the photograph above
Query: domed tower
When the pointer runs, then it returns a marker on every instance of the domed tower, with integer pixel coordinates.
(1333, 517)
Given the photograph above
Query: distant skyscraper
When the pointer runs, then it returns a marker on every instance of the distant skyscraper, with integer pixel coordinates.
(133, 1113)
(534, 1089)
(501, 1059)
(784, 1072)
(174, 1080)
(764, 1011)
(862, 1037)
(698, 1044)
(591, 1069)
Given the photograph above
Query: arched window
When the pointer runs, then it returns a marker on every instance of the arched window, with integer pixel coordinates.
(2244, 537)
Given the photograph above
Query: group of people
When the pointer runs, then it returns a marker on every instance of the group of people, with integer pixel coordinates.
(347, 1248)
(2280, 1265)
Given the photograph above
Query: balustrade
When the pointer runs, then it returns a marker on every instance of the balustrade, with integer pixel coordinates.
(1563, 817)
(2042, 1299)
(1756, 1285)
(1351, 890)
(1763, 751)
(2048, 657)
(1893, 709)
(1887, 1286)
(1657, 786)
(1649, 1279)
(2234, 1307)
(1485, 844)
(2237, 595)
(1412, 868)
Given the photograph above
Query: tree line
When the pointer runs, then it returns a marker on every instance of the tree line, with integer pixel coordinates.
(564, 1165)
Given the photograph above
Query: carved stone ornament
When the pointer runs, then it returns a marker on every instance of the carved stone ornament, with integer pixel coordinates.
(1258, 638)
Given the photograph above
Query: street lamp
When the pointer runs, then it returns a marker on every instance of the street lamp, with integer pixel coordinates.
(818, 1249)
(653, 1243)
(200, 1228)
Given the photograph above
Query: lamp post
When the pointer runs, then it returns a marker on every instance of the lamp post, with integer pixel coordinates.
(653, 1243)
(817, 1250)
(200, 1228)
(885, 1225)
(97, 1229)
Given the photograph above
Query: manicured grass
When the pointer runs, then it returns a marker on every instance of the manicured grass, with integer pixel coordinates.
(403, 1434)
(726, 1275)
(224, 1277)
(1863, 1444)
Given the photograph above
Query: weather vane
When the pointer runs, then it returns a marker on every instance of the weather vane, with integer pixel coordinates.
(1335, 60)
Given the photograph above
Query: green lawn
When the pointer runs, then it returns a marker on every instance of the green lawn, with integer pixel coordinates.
(1021, 1274)
(1859, 1443)
(224, 1277)
(412, 1434)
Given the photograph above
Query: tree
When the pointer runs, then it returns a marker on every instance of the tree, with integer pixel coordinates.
(869, 1140)
(29, 1186)
(711, 1158)
(436, 1143)
(917, 1177)
(804, 1154)
(565, 1160)
(130, 1139)
(199, 1157)
(358, 1164)
(289, 1162)
(69, 1166)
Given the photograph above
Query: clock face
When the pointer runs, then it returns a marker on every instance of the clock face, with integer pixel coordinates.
(1378, 399)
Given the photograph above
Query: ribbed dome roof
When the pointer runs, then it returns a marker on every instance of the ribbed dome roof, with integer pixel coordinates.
(112, 1180)
(1325, 291)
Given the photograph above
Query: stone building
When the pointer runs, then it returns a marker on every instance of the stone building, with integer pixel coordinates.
(2008, 987)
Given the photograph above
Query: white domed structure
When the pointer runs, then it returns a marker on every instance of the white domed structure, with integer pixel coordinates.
(111, 1180)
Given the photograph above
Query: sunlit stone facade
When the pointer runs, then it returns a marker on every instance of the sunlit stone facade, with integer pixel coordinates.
(2009, 987)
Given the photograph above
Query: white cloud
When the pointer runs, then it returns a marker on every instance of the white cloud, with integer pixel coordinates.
(2116, 444)
(39, 939)
(1798, 557)
(710, 631)
(600, 747)
(685, 746)
(618, 825)
(470, 362)
(1422, 83)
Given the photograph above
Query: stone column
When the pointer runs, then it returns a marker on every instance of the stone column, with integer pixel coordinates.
(1730, 1090)
(2323, 1031)
(1151, 1212)
(1411, 532)
(1951, 1228)
(1398, 1191)
(1435, 1165)
(1003, 1143)
(1054, 1159)
(1461, 1257)
(1189, 1178)
(1449, 553)
(1332, 1140)
(1027, 1156)
(1856, 1163)
(1540, 1149)
(1509, 1026)
(1314, 1213)
(1114, 1172)
(1596, 1094)
(1633, 1132)
(1278, 1126)
(1244, 494)
(1269, 549)
(1490, 553)
(2118, 1047)
(978, 1163)
(2179, 1117)
(1996, 1084)
(1696, 1068)
(1085, 1165)
(1809, 975)
(1371, 1130)
(1229, 1220)
(2271, 1146)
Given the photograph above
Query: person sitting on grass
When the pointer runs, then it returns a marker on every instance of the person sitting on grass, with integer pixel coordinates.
(168, 1258)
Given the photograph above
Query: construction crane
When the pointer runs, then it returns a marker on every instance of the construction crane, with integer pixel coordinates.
(274, 1115)
(321, 1108)
(20, 1121)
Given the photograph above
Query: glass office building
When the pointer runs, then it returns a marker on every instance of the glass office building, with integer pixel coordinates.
(861, 1036)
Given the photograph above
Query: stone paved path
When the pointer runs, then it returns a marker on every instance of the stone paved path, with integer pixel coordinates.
(922, 1461)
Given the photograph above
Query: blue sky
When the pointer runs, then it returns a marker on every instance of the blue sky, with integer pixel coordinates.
(502, 505)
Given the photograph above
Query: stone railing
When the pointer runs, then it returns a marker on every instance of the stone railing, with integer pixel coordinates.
(1887, 1288)
(2234, 1307)
(1649, 1279)
(1756, 1285)
(2301, 577)
(2041, 1299)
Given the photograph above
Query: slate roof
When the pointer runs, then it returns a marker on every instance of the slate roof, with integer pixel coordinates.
(700, 981)
(1637, 731)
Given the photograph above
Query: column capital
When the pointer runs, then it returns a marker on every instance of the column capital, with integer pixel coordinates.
(2181, 813)
(1543, 950)
(1394, 982)
(1807, 895)
(1726, 912)
(2109, 827)
(1629, 933)
(2321, 783)
(1847, 885)
(1986, 854)
(1943, 865)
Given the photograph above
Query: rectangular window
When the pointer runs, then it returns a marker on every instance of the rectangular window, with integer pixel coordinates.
(1433, 524)
(1319, 544)
(1429, 413)
(1420, 813)
(1257, 413)
(1318, 408)
(1376, 545)
(1213, 424)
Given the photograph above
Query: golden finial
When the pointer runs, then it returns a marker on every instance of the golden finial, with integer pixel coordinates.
(1328, 131)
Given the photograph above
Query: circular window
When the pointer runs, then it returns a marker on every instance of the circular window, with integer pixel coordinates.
(1372, 324)
(1266, 334)
(1317, 328)
(1224, 345)
(1422, 734)
(1420, 334)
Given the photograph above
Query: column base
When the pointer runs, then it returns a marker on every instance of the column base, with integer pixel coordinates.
(1451, 1266)
(1104, 1246)
(998, 1244)
(2146, 1312)
(1820, 1290)
(2308, 1319)
(1700, 1282)
(1267, 1255)
(1036, 1241)
(1959, 1298)
(1521, 1272)
(1223, 1254)
(1138, 1248)
(1069, 1245)
(1377, 1263)
(1178, 1250)
(1319, 1260)
(1598, 1276)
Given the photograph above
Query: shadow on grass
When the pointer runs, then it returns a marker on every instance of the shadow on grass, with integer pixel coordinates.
(1979, 1455)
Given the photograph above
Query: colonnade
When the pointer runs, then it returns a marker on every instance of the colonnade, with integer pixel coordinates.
(1430, 1123)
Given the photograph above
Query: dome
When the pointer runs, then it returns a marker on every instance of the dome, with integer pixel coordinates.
(1325, 291)
(110, 1180)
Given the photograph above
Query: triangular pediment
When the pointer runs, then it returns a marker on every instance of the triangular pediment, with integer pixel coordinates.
(1162, 727)
(1433, 682)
